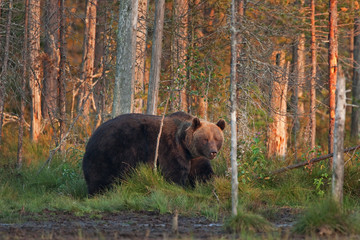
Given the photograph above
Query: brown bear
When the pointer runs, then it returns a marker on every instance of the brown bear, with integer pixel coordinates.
(121, 143)
(200, 168)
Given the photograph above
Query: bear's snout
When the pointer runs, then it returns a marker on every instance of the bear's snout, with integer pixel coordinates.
(213, 154)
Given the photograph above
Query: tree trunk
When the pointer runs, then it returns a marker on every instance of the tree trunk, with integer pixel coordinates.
(62, 72)
(34, 64)
(313, 79)
(338, 159)
(51, 59)
(355, 114)
(201, 97)
(87, 68)
(125, 58)
(299, 126)
(3, 72)
(156, 57)
(198, 23)
(99, 61)
(233, 99)
(300, 65)
(180, 45)
(141, 37)
(240, 8)
(333, 60)
(277, 132)
(23, 88)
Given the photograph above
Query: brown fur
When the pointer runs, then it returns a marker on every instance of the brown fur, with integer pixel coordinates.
(123, 142)
(200, 170)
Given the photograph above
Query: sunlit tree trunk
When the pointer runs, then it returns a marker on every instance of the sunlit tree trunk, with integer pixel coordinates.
(155, 68)
(141, 37)
(277, 131)
(233, 99)
(200, 98)
(51, 59)
(87, 68)
(99, 61)
(351, 33)
(125, 58)
(300, 65)
(4, 68)
(333, 60)
(313, 79)
(62, 73)
(355, 114)
(209, 13)
(180, 45)
(34, 68)
(338, 159)
(23, 88)
(299, 128)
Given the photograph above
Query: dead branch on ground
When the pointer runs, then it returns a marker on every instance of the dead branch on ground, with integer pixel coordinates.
(314, 160)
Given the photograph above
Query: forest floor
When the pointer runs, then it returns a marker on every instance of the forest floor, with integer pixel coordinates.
(127, 225)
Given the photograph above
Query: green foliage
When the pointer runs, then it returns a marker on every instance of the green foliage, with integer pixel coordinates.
(352, 181)
(327, 214)
(319, 184)
(247, 222)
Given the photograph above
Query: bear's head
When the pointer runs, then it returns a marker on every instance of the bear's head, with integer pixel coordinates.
(204, 138)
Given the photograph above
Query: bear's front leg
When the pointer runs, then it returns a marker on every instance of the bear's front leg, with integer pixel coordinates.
(200, 170)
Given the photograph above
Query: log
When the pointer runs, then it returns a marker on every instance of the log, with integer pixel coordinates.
(313, 160)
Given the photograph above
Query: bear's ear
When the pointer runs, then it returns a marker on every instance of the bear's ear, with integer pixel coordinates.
(195, 123)
(221, 124)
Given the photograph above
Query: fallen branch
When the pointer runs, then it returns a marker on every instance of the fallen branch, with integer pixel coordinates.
(8, 118)
(314, 160)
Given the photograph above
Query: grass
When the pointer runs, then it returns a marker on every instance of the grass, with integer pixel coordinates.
(328, 215)
(61, 187)
(247, 222)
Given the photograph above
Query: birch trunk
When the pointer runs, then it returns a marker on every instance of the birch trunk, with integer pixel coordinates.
(355, 114)
(125, 58)
(156, 58)
(233, 122)
(338, 159)
(333, 60)
(141, 37)
(34, 63)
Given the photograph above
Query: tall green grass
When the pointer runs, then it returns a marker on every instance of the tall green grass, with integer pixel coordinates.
(61, 187)
(327, 214)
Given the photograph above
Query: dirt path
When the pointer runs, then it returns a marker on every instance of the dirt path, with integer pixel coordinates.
(124, 225)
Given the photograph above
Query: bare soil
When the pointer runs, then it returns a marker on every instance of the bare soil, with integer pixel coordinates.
(122, 225)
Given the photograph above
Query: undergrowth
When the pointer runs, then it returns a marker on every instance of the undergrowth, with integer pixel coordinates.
(247, 222)
(61, 187)
(327, 216)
